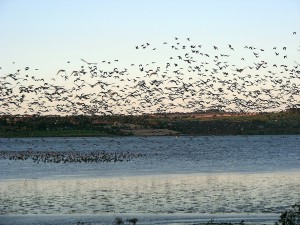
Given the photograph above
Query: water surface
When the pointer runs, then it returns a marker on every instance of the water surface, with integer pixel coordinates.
(221, 176)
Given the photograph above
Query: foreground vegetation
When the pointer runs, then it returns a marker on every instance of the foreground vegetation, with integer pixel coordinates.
(208, 123)
(288, 217)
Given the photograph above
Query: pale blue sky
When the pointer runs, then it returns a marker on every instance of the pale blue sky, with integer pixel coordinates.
(46, 34)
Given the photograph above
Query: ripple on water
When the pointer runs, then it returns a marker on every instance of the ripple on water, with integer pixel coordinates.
(196, 193)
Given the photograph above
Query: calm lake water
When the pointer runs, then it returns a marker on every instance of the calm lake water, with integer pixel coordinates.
(176, 177)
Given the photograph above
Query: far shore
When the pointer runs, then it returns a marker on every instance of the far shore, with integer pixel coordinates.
(167, 124)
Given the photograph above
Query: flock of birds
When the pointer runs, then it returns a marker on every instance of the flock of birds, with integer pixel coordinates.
(69, 156)
(193, 78)
(66, 150)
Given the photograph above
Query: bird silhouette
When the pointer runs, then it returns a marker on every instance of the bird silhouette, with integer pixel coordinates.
(191, 77)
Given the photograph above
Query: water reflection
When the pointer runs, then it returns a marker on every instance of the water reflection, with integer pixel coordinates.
(196, 193)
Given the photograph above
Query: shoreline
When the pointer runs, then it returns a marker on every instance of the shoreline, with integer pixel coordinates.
(143, 218)
(149, 135)
(290, 172)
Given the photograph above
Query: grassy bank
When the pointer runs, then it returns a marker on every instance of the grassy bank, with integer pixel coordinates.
(54, 133)
(275, 123)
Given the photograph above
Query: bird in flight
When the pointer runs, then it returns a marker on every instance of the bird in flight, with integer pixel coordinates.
(150, 90)
(61, 71)
(87, 62)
